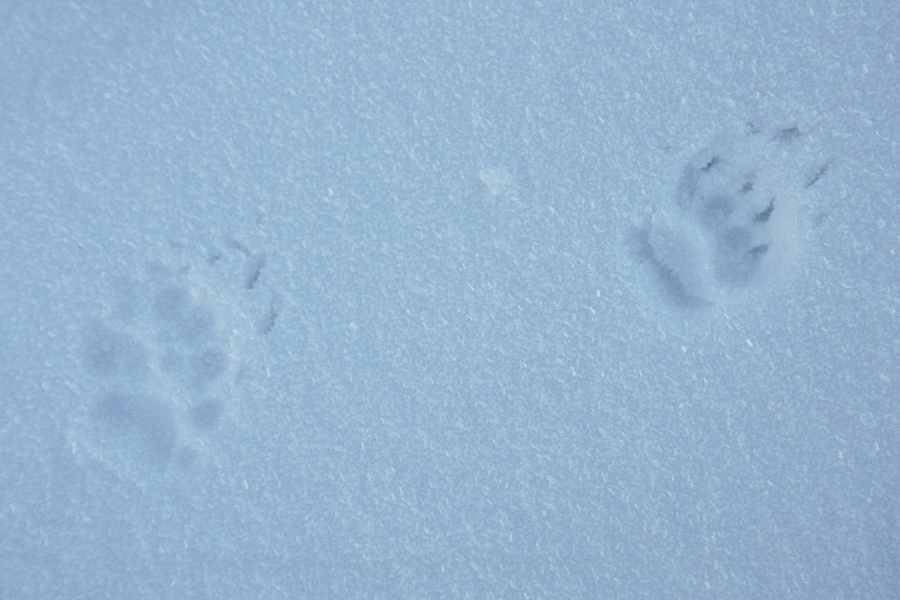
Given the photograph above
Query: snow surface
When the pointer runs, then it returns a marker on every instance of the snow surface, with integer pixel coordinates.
(484, 300)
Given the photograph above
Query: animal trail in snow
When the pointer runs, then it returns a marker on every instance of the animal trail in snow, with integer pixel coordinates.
(736, 221)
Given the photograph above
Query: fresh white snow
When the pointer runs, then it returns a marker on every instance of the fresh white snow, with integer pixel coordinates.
(450, 301)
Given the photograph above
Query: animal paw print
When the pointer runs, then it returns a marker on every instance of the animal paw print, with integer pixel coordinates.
(736, 223)
(162, 365)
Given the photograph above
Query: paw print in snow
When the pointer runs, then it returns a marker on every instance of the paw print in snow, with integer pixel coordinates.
(736, 223)
(163, 364)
